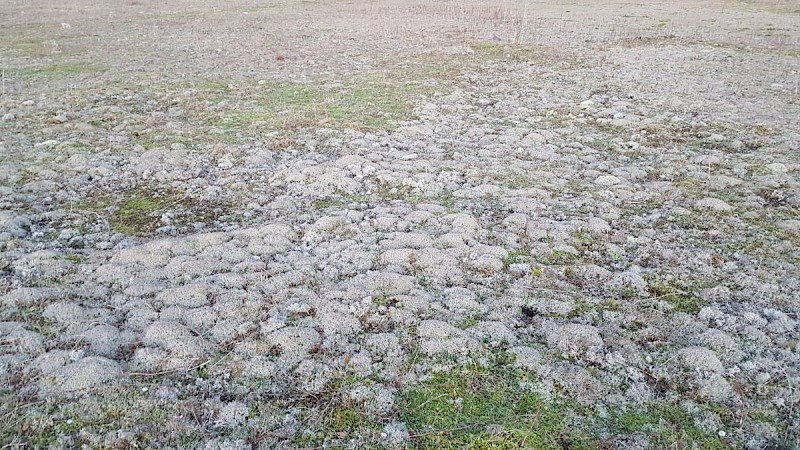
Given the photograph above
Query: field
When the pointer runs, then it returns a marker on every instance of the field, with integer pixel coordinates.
(421, 224)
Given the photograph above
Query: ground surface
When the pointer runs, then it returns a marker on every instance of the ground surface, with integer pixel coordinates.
(400, 224)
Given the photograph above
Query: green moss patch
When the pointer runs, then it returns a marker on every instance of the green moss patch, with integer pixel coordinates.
(66, 69)
(365, 103)
(487, 407)
(139, 212)
(667, 425)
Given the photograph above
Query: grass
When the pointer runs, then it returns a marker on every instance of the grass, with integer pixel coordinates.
(446, 198)
(336, 417)
(488, 406)
(138, 212)
(364, 103)
(667, 425)
(46, 424)
(675, 294)
(557, 258)
(485, 407)
(66, 69)
(507, 52)
(517, 256)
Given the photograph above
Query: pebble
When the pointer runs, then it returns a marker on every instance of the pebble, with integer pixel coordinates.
(607, 180)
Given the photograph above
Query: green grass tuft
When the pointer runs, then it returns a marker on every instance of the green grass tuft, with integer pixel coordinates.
(62, 70)
(485, 407)
(667, 425)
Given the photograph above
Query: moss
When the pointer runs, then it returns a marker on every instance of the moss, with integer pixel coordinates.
(366, 103)
(557, 258)
(507, 52)
(75, 258)
(384, 300)
(667, 425)
(675, 294)
(485, 407)
(446, 198)
(138, 211)
(343, 419)
(517, 256)
(67, 69)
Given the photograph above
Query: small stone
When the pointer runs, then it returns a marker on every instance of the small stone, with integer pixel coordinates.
(395, 432)
(763, 378)
(231, 415)
(777, 168)
(82, 375)
(700, 359)
(574, 338)
(713, 204)
(715, 388)
(607, 180)
(526, 357)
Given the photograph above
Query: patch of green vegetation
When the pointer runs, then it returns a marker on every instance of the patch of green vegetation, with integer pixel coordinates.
(400, 192)
(337, 416)
(583, 307)
(366, 103)
(668, 426)
(494, 50)
(138, 212)
(468, 322)
(586, 242)
(675, 294)
(485, 407)
(446, 198)
(517, 256)
(75, 258)
(26, 176)
(344, 419)
(29, 47)
(557, 258)
(328, 203)
(67, 69)
(384, 300)
(518, 181)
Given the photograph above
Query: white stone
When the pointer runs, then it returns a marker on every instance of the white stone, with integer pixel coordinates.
(607, 180)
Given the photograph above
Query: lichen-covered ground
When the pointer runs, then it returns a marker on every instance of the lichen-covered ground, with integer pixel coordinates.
(400, 224)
